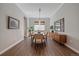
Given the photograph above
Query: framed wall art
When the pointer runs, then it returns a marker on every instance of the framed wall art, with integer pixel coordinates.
(13, 23)
(59, 25)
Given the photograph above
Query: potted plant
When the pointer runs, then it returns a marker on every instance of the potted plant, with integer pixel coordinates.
(32, 28)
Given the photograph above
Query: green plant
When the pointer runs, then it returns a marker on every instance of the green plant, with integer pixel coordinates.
(31, 28)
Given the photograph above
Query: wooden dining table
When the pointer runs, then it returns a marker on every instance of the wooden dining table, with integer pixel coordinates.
(36, 38)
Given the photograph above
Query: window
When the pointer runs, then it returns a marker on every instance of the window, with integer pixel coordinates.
(39, 27)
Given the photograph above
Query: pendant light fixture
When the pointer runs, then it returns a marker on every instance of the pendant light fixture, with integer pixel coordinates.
(39, 15)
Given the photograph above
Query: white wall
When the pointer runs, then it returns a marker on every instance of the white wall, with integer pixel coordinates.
(71, 14)
(9, 37)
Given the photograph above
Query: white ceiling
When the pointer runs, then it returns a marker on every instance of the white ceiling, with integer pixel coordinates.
(31, 9)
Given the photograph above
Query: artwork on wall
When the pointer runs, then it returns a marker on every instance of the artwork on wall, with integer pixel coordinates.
(62, 25)
(59, 25)
(13, 23)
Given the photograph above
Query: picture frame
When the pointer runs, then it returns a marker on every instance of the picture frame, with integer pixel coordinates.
(13, 23)
(59, 25)
(62, 25)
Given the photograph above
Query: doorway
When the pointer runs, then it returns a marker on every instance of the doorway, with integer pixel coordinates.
(25, 27)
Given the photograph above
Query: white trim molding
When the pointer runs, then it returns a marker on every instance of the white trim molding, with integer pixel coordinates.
(10, 47)
(75, 50)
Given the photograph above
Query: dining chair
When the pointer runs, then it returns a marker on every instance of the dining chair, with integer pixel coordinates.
(39, 39)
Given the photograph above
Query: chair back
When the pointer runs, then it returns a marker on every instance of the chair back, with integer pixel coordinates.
(38, 36)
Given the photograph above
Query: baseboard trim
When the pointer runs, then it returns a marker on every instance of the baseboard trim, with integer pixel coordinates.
(75, 50)
(10, 47)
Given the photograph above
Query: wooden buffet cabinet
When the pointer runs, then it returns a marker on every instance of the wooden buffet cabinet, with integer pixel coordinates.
(60, 38)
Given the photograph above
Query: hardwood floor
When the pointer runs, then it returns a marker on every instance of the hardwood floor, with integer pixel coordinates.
(52, 49)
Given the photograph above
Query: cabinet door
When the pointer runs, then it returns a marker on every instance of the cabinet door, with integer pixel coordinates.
(63, 38)
(57, 37)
